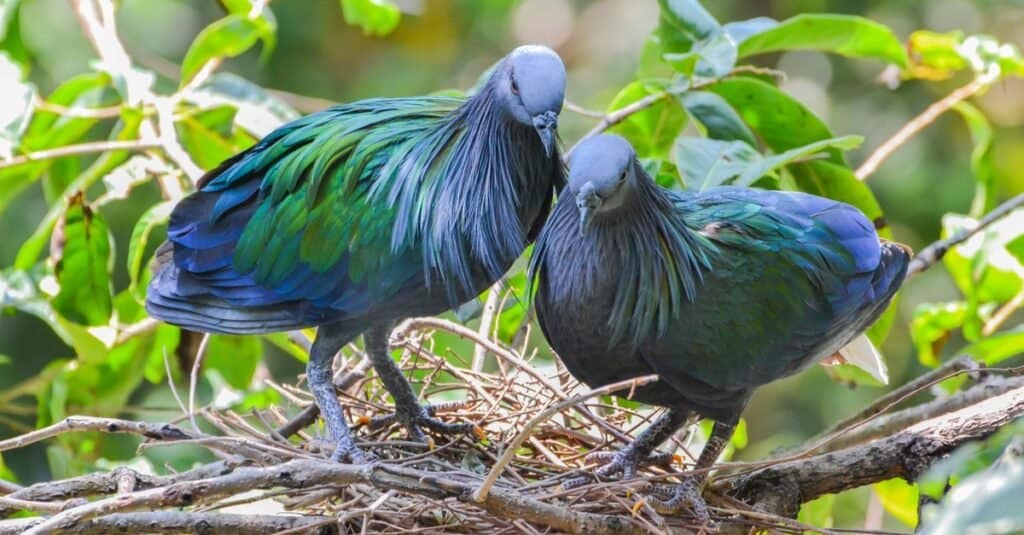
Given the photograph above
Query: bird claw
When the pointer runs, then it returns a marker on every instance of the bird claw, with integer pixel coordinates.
(417, 417)
(347, 449)
(686, 495)
(625, 461)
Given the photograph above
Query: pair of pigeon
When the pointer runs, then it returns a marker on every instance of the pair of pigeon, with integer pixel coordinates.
(364, 214)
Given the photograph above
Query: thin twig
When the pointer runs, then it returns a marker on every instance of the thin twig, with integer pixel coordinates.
(77, 150)
(510, 450)
(934, 252)
(193, 382)
(909, 130)
(156, 431)
(484, 330)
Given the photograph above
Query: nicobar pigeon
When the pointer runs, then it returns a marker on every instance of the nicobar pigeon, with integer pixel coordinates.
(717, 292)
(358, 216)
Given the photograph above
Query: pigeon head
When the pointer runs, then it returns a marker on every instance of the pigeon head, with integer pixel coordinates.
(530, 85)
(602, 174)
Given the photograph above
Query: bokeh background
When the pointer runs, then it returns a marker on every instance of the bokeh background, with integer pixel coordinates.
(448, 43)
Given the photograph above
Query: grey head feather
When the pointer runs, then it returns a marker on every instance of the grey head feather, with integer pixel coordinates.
(530, 84)
(629, 230)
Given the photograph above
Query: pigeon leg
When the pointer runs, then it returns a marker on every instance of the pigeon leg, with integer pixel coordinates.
(329, 339)
(638, 453)
(688, 494)
(408, 410)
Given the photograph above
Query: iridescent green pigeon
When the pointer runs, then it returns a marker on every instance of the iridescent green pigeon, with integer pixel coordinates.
(363, 214)
(717, 292)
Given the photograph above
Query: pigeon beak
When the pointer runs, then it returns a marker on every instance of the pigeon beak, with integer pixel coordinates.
(546, 125)
(586, 216)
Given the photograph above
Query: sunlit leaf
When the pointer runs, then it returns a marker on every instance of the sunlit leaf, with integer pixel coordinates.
(899, 498)
(982, 267)
(19, 102)
(155, 216)
(840, 34)
(49, 130)
(81, 252)
(742, 29)
(997, 347)
(258, 111)
(934, 56)
(225, 38)
(981, 158)
(931, 327)
(775, 161)
(375, 17)
(207, 135)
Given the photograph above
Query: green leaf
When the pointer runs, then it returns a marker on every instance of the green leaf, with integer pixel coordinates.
(777, 118)
(931, 326)
(258, 111)
(153, 217)
(997, 347)
(693, 42)
(688, 19)
(935, 56)
(48, 130)
(32, 247)
(742, 30)
(652, 130)
(718, 118)
(235, 357)
(19, 102)
(899, 498)
(207, 135)
(847, 35)
(981, 158)
(986, 502)
(227, 37)
(375, 17)
(705, 163)
(818, 512)
(982, 267)
(4, 359)
(82, 255)
(771, 163)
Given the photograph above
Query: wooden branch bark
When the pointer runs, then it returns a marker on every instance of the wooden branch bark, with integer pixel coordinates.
(186, 522)
(781, 488)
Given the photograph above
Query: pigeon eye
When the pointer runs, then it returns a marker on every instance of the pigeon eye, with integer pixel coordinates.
(515, 87)
(622, 178)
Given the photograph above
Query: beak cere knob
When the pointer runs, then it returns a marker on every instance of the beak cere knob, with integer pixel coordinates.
(546, 124)
(587, 201)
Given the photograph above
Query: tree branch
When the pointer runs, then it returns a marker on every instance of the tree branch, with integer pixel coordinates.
(781, 488)
(188, 522)
(934, 252)
(79, 149)
(912, 128)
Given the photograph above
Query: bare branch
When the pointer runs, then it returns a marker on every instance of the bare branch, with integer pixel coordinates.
(156, 431)
(934, 252)
(912, 128)
(77, 150)
(183, 522)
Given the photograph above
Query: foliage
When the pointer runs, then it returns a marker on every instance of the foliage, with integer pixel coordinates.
(123, 133)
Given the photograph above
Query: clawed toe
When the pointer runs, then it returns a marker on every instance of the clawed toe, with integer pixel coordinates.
(417, 418)
(685, 496)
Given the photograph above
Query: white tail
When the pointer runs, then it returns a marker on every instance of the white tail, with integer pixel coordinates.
(862, 353)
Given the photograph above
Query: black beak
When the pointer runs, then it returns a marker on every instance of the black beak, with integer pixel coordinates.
(586, 216)
(546, 125)
(587, 201)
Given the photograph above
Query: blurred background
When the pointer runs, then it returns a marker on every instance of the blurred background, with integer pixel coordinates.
(447, 44)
